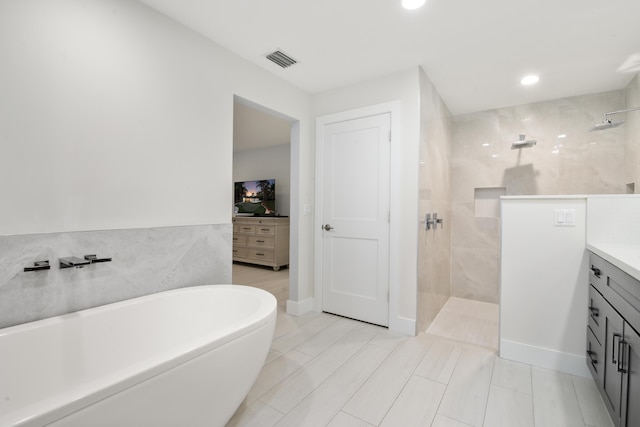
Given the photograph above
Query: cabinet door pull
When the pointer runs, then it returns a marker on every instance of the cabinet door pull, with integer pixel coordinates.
(596, 271)
(613, 348)
(591, 358)
(595, 312)
(621, 352)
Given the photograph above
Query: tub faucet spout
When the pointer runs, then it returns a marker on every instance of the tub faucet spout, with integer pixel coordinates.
(73, 261)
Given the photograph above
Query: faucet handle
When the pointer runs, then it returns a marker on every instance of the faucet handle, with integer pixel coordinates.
(437, 221)
(94, 258)
(39, 265)
(428, 222)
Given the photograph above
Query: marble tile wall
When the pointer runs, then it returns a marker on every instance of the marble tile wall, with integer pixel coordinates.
(568, 159)
(145, 261)
(434, 246)
(632, 125)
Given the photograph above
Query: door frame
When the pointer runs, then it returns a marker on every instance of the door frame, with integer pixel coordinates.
(393, 108)
(294, 191)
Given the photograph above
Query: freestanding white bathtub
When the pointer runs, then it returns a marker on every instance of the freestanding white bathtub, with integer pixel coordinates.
(186, 357)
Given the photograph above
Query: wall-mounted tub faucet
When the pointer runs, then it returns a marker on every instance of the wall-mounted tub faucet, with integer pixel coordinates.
(73, 261)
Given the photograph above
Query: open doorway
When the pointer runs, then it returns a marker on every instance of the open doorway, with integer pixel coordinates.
(262, 179)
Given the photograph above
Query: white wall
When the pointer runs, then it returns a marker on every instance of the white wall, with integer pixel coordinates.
(114, 116)
(613, 219)
(267, 163)
(544, 284)
(403, 87)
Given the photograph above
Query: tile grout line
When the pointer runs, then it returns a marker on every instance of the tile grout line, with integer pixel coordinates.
(575, 393)
(365, 381)
(411, 375)
(326, 379)
(302, 367)
(486, 403)
(533, 398)
(446, 389)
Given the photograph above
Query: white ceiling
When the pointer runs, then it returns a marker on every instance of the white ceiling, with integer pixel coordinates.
(475, 52)
(253, 128)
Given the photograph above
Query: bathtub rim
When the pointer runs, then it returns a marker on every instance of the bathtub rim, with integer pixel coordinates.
(50, 409)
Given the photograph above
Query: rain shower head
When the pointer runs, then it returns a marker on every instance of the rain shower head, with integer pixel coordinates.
(607, 123)
(523, 142)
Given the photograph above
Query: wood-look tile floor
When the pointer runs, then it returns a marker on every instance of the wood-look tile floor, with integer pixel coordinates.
(325, 370)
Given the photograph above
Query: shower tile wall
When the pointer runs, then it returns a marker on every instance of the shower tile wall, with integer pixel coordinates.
(145, 261)
(434, 246)
(566, 160)
(632, 128)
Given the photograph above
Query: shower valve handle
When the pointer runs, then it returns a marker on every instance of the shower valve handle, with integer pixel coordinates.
(437, 221)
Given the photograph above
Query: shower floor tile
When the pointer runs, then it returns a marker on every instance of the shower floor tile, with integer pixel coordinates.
(469, 321)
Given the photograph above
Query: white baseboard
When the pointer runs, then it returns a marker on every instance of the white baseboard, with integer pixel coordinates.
(403, 325)
(545, 358)
(298, 308)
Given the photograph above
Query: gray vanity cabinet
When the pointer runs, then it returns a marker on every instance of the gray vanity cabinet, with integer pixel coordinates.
(613, 342)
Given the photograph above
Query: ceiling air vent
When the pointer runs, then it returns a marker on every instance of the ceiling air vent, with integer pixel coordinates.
(281, 59)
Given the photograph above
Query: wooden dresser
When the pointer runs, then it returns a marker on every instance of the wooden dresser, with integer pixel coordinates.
(261, 240)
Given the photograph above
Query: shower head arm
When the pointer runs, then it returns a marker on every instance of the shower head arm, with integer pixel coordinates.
(606, 115)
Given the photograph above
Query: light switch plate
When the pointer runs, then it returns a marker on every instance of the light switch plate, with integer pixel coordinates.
(564, 217)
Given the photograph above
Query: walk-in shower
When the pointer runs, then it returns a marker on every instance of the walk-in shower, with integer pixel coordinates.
(608, 123)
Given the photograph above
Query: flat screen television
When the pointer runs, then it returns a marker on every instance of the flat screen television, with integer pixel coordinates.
(255, 197)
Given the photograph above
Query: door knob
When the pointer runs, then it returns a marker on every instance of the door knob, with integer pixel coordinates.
(327, 227)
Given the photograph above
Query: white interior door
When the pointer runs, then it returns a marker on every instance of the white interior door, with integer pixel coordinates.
(355, 218)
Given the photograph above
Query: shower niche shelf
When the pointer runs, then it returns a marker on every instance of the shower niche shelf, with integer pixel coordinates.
(487, 201)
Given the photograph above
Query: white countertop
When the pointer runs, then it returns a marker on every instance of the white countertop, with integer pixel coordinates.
(625, 257)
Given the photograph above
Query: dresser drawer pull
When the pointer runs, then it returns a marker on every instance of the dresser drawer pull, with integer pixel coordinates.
(259, 241)
(595, 312)
(246, 228)
(596, 271)
(259, 254)
(593, 360)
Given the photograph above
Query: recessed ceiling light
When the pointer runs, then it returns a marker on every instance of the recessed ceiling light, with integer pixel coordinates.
(412, 4)
(529, 80)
